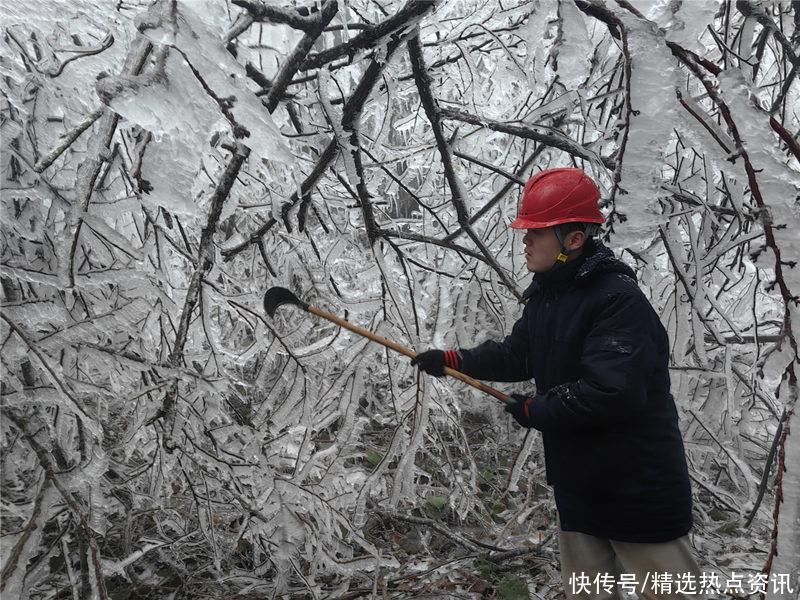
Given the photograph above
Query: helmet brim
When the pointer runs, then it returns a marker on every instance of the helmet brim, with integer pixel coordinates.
(528, 223)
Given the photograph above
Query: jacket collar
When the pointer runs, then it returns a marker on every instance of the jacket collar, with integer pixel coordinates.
(596, 259)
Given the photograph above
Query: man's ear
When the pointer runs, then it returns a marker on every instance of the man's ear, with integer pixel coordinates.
(576, 240)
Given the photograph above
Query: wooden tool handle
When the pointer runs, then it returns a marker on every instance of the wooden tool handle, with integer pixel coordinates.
(406, 351)
(478, 385)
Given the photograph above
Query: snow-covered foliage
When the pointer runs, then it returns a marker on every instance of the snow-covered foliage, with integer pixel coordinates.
(165, 163)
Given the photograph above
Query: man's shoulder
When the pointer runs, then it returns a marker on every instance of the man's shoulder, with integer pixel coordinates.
(615, 282)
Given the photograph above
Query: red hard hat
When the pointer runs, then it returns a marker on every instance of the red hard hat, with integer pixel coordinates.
(557, 196)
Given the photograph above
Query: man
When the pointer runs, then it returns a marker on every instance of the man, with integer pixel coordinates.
(599, 356)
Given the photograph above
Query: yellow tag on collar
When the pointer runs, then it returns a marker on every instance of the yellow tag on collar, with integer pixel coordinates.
(562, 258)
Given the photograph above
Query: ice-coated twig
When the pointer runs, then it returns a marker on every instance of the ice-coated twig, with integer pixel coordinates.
(403, 19)
(241, 25)
(13, 556)
(788, 297)
(67, 140)
(205, 259)
(69, 498)
(762, 487)
(431, 524)
(260, 10)
(434, 114)
(423, 239)
(501, 193)
(352, 108)
(747, 473)
(292, 63)
(93, 165)
(626, 124)
(750, 9)
(46, 363)
(58, 68)
(787, 137)
(345, 133)
(473, 159)
(545, 135)
(694, 109)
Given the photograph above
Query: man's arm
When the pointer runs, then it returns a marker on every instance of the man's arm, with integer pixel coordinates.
(505, 360)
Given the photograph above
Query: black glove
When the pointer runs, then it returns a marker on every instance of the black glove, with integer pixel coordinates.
(433, 362)
(519, 408)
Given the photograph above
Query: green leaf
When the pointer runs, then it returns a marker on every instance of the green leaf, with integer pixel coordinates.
(729, 527)
(512, 588)
(438, 502)
(435, 506)
(374, 458)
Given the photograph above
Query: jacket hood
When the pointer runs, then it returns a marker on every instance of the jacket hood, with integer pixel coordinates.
(596, 259)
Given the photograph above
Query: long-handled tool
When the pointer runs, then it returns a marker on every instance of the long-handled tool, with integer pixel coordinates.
(277, 296)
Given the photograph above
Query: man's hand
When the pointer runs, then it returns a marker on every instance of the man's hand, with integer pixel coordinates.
(433, 362)
(519, 407)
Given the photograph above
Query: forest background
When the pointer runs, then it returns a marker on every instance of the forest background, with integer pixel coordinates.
(164, 163)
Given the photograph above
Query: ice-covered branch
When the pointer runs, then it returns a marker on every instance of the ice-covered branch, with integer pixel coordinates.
(98, 156)
(522, 171)
(55, 377)
(54, 67)
(787, 137)
(434, 114)
(205, 259)
(790, 298)
(292, 63)
(544, 135)
(423, 239)
(70, 499)
(13, 556)
(403, 20)
(350, 111)
(757, 11)
(67, 140)
(261, 10)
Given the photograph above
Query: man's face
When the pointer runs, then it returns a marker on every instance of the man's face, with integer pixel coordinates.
(541, 249)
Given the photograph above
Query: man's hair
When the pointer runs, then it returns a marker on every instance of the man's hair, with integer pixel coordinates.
(589, 229)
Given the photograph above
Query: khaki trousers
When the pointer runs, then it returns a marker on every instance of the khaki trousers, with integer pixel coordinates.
(593, 567)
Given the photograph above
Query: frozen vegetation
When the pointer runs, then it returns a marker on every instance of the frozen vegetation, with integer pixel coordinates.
(165, 163)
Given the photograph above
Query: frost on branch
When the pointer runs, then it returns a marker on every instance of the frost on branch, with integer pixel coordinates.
(161, 435)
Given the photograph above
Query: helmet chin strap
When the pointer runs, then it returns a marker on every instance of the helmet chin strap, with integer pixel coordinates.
(563, 254)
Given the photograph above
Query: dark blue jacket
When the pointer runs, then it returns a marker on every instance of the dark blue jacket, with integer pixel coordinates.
(599, 356)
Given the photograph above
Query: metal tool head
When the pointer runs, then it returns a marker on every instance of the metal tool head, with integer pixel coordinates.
(276, 296)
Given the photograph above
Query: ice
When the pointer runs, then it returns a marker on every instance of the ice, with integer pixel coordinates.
(117, 567)
(205, 50)
(653, 98)
(171, 167)
(575, 49)
(685, 22)
(788, 530)
(113, 235)
(536, 36)
(778, 176)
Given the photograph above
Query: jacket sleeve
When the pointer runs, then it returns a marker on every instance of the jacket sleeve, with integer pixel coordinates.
(617, 358)
(506, 360)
